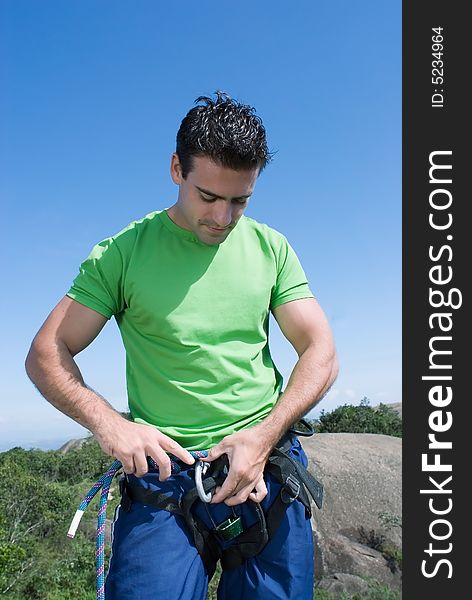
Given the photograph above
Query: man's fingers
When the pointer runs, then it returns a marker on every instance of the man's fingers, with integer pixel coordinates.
(164, 470)
(215, 452)
(135, 442)
(176, 449)
(140, 465)
(228, 489)
(128, 465)
(236, 499)
(162, 461)
(255, 493)
(259, 492)
(236, 489)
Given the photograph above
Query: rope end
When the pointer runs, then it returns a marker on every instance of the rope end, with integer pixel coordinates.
(75, 523)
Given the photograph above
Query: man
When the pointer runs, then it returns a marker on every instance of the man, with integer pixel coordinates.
(191, 288)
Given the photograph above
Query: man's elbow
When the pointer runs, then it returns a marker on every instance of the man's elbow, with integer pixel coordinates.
(38, 357)
(32, 361)
(324, 360)
(334, 368)
(324, 353)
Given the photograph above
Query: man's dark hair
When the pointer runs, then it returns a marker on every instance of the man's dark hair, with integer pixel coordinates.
(229, 133)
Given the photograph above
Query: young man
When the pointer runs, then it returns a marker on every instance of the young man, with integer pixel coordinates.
(191, 288)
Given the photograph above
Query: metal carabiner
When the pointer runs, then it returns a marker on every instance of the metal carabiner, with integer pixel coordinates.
(201, 468)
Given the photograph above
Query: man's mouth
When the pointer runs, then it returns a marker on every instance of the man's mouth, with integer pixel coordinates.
(218, 229)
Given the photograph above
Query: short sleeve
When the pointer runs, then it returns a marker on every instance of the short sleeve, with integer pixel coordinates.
(291, 281)
(99, 284)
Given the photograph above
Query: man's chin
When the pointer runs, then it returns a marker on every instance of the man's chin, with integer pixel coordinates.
(213, 237)
(211, 241)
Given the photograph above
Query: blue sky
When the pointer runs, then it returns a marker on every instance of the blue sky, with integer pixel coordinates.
(93, 93)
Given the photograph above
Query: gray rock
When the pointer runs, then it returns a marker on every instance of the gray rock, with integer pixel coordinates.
(73, 444)
(361, 474)
(341, 583)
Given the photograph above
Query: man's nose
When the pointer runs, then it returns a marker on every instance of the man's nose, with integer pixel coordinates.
(222, 213)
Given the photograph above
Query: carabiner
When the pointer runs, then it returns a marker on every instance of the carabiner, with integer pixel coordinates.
(201, 468)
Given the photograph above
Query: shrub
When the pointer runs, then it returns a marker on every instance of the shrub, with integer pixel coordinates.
(360, 419)
(39, 493)
(377, 541)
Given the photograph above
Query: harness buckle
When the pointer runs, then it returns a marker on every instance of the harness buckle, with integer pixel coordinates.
(201, 468)
(290, 490)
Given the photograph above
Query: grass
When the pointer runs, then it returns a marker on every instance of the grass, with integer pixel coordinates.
(375, 591)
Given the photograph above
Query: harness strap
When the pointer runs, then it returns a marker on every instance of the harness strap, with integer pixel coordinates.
(130, 494)
(288, 465)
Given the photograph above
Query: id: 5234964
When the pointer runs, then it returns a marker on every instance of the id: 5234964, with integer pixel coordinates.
(437, 67)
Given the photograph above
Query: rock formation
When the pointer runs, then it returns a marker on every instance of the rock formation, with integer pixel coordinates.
(359, 528)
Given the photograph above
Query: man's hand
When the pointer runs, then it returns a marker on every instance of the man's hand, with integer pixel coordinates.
(131, 443)
(247, 452)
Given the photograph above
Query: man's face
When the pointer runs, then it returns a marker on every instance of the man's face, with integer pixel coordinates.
(211, 199)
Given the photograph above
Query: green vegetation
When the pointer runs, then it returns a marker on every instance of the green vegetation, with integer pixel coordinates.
(39, 494)
(360, 419)
(375, 591)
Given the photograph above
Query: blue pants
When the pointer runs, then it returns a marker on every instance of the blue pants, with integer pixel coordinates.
(154, 556)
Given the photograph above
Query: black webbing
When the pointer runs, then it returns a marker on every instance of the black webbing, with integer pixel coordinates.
(296, 481)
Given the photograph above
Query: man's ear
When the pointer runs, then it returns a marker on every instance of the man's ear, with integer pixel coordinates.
(176, 169)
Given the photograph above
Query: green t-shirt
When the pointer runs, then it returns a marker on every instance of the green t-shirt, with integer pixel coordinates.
(194, 322)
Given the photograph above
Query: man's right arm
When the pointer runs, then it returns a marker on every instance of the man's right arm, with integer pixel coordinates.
(50, 365)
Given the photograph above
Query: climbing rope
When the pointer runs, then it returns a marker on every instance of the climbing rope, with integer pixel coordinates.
(104, 484)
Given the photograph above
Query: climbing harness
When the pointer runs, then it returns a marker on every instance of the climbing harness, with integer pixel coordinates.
(295, 480)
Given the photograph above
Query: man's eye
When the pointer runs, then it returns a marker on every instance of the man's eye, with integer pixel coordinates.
(207, 198)
(240, 200)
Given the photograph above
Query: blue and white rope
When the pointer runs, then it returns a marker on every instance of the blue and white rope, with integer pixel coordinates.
(104, 484)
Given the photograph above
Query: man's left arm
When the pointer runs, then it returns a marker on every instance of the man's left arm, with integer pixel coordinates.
(304, 324)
